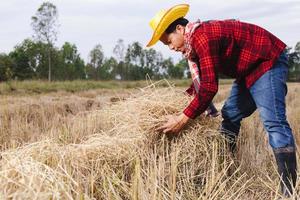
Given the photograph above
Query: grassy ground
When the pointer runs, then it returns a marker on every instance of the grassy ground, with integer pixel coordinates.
(30, 87)
(101, 144)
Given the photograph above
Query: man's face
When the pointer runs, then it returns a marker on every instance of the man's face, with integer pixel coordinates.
(174, 40)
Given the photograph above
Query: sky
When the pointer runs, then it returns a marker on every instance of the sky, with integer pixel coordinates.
(87, 23)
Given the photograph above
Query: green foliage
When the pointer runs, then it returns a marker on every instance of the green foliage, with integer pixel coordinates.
(178, 70)
(153, 63)
(294, 63)
(96, 56)
(105, 71)
(91, 72)
(70, 66)
(24, 60)
(135, 54)
(5, 67)
(29, 60)
(140, 63)
(39, 86)
(96, 69)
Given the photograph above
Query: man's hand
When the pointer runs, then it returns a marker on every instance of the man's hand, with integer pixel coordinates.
(174, 124)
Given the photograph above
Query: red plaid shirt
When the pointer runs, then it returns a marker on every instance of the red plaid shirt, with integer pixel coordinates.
(240, 50)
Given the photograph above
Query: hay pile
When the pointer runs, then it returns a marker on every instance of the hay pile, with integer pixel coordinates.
(127, 158)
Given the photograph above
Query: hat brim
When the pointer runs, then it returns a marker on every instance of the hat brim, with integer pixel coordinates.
(169, 17)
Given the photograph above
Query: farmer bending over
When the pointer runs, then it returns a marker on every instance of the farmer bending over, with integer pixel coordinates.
(246, 52)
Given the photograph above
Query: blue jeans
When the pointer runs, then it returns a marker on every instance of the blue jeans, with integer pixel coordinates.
(267, 95)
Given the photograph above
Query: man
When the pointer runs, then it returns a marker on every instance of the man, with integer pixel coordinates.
(246, 52)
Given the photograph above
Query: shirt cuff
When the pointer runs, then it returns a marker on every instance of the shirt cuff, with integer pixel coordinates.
(189, 113)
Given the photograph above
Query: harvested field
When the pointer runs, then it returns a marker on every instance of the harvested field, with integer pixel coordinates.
(103, 145)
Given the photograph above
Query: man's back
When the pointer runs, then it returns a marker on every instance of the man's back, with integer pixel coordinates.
(241, 50)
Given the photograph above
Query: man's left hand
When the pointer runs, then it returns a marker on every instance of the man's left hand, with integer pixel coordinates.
(174, 124)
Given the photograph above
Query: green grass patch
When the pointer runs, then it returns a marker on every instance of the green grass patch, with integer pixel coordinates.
(37, 87)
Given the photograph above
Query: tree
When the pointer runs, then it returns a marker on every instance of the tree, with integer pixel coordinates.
(105, 71)
(134, 54)
(184, 66)
(178, 70)
(71, 66)
(42, 60)
(294, 63)
(119, 50)
(153, 63)
(45, 25)
(133, 59)
(91, 72)
(5, 67)
(140, 62)
(96, 60)
(297, 47)
(96, 56)
(25, 58)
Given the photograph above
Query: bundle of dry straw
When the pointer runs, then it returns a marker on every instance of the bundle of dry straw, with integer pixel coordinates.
(127, 158)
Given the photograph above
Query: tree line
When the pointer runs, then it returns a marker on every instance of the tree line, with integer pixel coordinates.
(29, 60)
(39, 58)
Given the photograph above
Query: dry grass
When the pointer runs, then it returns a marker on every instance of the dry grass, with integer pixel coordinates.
(105, 150)
(26, 119)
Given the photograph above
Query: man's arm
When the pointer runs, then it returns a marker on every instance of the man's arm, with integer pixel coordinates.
(207, 51)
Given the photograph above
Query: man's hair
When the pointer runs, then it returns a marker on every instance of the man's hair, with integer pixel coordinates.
(180, 21)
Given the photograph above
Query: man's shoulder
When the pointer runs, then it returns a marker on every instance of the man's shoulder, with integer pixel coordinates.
(212, 27)
(223, 25)
(209, 30)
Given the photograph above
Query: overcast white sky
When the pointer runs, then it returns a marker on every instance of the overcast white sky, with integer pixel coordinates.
(90, 22)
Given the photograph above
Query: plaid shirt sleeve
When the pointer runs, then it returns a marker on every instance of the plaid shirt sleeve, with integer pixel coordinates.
(207, 52)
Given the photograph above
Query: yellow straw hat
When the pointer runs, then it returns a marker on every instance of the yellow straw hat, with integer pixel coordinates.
(161, 21)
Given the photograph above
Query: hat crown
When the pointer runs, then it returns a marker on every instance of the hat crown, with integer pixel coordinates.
(157, 18)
